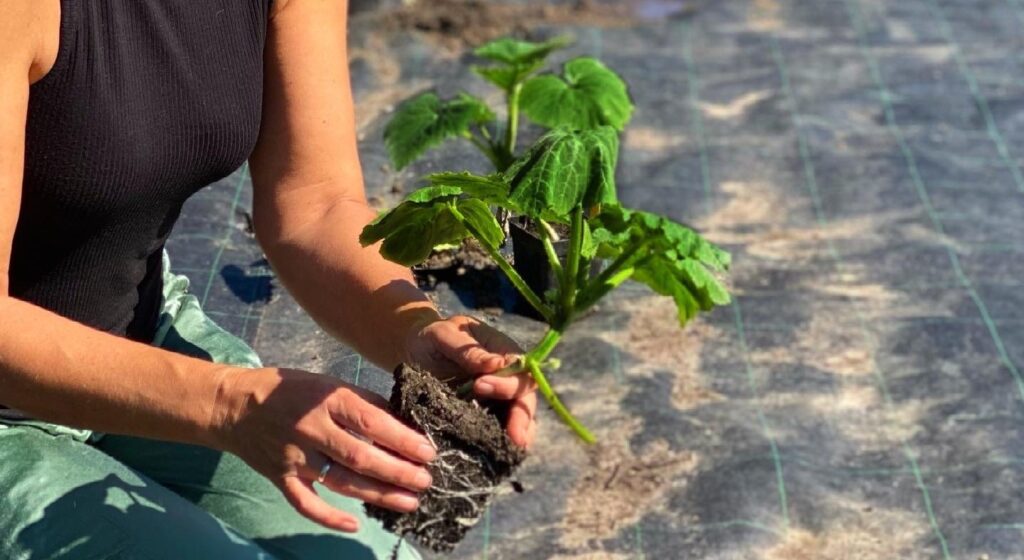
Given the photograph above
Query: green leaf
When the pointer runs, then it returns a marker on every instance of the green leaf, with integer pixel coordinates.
(514, 52)
(507, 76)
(616, 227)
(587, 95)
(660, 276)
(433, 192)
(480, 217)
(426, 121)
(490, 188)
(411, 230)
(589, 245)
(565, 169)
(673, 260)
(709, 290)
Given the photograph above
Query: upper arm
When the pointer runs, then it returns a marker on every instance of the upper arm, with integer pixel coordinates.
(29, 31)
(306, 156)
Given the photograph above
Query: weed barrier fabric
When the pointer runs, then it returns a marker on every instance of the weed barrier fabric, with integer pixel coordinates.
(864, 397)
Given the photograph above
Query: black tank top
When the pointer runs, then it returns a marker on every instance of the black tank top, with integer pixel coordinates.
(149, 101)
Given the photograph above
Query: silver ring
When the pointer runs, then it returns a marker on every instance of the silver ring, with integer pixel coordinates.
(323, 471)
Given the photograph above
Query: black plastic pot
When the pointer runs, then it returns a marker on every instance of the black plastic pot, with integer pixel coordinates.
(531, 262)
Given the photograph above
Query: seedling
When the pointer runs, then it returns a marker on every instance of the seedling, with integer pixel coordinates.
(587, 95)
(564, 182)
(567, 177)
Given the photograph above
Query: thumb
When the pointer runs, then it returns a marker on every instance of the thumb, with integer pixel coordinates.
(467, 352)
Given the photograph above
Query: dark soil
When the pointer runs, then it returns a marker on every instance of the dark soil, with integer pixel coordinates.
(469, 255)
(475, 456)
(470, 274)
(468, 23)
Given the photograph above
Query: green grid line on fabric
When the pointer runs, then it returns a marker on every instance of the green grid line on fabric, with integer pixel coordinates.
(811, 183)
(698, 127)
(979, 99)
(925, 199)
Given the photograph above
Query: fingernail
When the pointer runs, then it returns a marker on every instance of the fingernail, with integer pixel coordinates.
(423, 480)
(408, 503)
(484, 389)
(350, 526)
(426, 453)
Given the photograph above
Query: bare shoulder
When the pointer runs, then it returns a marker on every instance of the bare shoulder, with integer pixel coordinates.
(29, 36)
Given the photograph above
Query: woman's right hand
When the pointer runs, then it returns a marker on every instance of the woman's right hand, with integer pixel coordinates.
(286, 424)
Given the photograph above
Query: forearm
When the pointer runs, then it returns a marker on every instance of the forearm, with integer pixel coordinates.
(308, 201)
(57, 370)
(351, 291)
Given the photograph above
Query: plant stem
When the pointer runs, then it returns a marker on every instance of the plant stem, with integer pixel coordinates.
(556, 404)
(510, 272)
(543, 348)
(572, 268)
(484, 148)
(532, 361)
(512, 126)
(549, 250)
(484, 132)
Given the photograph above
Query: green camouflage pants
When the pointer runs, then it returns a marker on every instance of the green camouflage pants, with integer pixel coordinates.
(67, 493)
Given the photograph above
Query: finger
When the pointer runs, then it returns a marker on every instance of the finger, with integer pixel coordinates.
(458, 345)
(373, 423)
(374, 462)
(350, 483)
(531, 434)
(504, 387)
(520, 419)
(371, 397)
(303, 498)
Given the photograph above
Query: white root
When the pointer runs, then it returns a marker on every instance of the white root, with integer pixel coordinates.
(449, 484)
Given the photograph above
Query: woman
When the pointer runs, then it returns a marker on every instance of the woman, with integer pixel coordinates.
(111, 114)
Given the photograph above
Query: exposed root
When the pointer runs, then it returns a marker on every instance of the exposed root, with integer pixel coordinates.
(473, 459)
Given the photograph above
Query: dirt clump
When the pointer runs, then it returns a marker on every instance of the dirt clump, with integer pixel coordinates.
(474, 457)
(469, 254)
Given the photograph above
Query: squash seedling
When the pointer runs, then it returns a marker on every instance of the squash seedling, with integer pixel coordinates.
(564, 182)
(585, 95)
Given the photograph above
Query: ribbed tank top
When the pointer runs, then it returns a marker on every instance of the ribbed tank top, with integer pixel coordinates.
(148, 102)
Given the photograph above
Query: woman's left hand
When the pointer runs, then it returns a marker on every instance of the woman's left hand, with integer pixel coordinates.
(462, 347)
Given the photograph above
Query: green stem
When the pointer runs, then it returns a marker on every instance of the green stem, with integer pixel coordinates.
(484, 132)
(620, 271)
(556, 404)
(484, 148)
(513, 276)
(532, 361)
(539, 353)
(546, 345)
(512, 127)
(549, 250)
(627, 258)
(572, 267)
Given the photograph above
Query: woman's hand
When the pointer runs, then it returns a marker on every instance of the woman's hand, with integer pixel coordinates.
(287, 424)
(464, 348)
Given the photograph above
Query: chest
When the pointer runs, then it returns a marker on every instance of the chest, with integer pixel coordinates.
(148, 101)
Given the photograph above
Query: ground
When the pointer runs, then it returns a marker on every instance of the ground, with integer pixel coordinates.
(863, 398)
